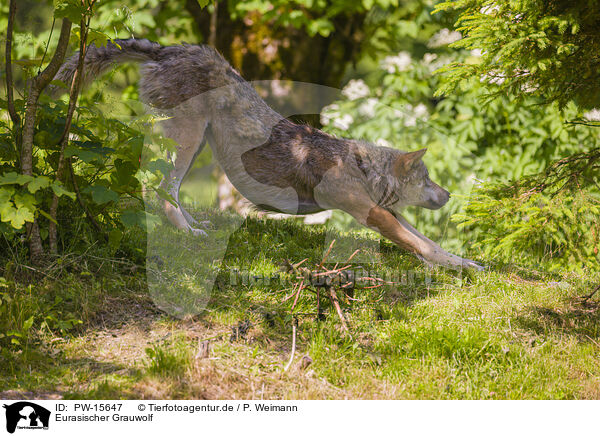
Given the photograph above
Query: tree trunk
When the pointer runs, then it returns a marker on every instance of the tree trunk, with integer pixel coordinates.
(73, 94)
(14, 116)
(36, 87)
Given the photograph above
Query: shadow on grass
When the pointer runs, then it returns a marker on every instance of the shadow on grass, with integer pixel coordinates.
(37, 375)
(261, 294)
(577, 320)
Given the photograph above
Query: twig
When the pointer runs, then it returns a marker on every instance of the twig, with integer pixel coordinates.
(36, 86)
(296, 265)
(297, 294)
(585, 298)
(332, 271)
(47, 45)
(291, 295)
(334, 299)
(353, 254)
(318, 304)
(212, 37)
(14, 116)
(294, 323)
(326, 254)
(42, 273)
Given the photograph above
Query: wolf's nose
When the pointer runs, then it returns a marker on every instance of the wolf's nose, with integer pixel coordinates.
(445, 194)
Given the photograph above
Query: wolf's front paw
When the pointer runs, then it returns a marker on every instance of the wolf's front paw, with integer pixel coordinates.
(467, 263)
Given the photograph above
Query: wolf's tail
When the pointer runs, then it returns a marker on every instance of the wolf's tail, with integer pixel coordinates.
(99, 59)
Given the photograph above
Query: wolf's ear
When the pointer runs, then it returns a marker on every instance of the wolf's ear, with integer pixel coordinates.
(405, 161)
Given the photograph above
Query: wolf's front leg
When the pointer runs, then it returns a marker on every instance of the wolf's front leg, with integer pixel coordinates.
(399, 231)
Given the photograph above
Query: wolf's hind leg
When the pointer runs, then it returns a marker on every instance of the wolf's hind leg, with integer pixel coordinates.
(189, 135)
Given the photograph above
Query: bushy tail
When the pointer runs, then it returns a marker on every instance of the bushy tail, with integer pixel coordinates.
(99, 59)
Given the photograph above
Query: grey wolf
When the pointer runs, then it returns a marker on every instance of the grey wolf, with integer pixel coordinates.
(276, 164)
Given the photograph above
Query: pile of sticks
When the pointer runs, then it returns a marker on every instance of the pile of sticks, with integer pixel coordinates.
(329, 280)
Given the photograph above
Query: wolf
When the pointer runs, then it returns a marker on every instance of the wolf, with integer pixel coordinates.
(276, 164)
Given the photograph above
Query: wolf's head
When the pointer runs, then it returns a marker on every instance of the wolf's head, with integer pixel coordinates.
(415, 188)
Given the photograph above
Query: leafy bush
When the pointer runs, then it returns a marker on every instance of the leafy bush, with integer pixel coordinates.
(24, 311)
(549, 218)
(530, 46)
(106, 157)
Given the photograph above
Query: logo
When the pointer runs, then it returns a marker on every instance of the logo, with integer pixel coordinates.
(26, 415)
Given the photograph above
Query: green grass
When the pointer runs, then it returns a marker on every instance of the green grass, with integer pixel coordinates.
(511, 332)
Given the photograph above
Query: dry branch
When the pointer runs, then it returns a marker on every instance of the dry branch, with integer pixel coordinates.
(337, 278)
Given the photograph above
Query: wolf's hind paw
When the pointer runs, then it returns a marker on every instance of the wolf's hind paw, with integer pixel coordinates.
(205, 224)
(197, 232)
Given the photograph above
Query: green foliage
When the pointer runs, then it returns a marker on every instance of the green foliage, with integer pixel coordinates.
(549, 218)
(105, 170)
(548, 49)
(560, 232)
(19, 205)
(106, 160)
(24, 311)
(71, 9)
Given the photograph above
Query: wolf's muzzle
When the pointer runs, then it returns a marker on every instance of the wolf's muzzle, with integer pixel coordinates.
(438, 200)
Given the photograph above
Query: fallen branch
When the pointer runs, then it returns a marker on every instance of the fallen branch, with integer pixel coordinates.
(336, 304)
(585, 298)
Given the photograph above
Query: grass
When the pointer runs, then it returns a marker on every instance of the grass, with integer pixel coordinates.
(509, 333)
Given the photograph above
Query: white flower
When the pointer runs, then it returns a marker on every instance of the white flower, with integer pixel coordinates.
(493, 78)
(402, 112)
(411, 114)
(356, 89)
(421, 111)
(443, 37)
(400, 62)
(328, 113)
(433, 61)
(529, 87)
(367, 109)
(593, 115)
(410, 121)
(429, 58)
(343, 122)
